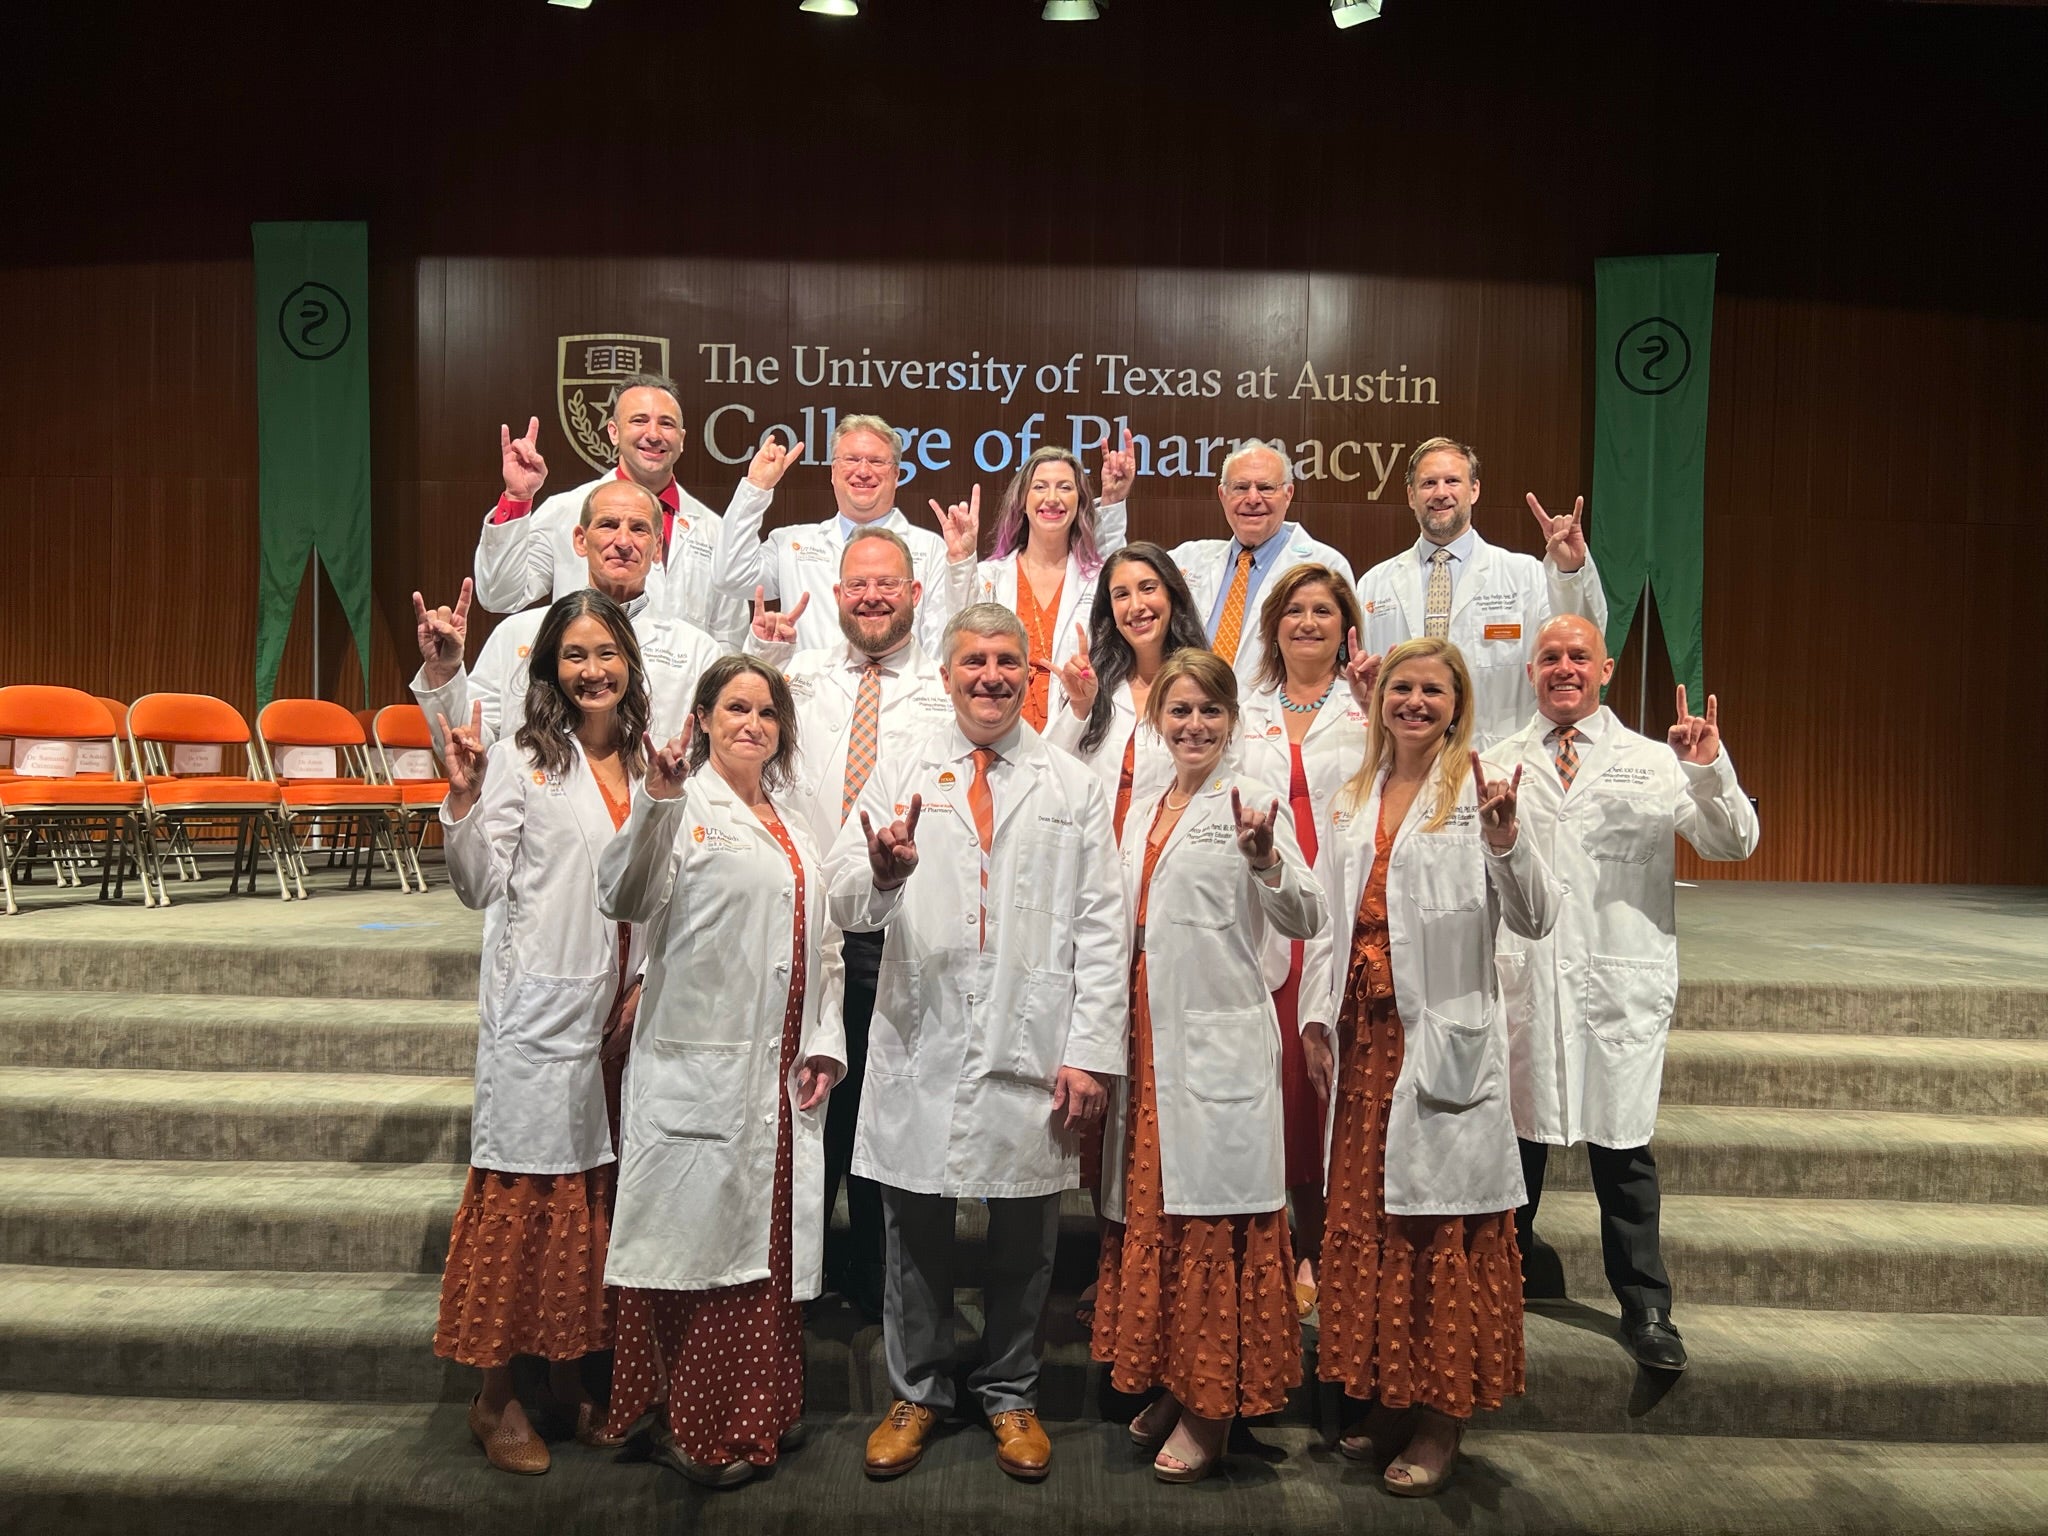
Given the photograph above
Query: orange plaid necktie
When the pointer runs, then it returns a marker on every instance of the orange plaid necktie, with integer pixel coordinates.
(860, 744)
(1230, 627)
(1567, 759)
(982, 802)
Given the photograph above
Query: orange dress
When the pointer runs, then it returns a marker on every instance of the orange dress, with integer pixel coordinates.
(1038, 630)
(525, 1267)
(1201, 1305)
(728, 1362)
(1415, 1309)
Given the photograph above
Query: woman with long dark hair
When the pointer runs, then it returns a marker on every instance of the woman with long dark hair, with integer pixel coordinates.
(525, 823)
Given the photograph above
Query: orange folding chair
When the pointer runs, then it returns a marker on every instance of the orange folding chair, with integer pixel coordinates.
(405, 760)
(338, 791)
(75, 819)
(185, 799)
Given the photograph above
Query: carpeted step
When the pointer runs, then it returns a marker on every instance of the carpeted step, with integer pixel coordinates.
(1866, 1255)
(1962, 1008)
(279, 1116)
(191, 1032)
(1924, 1074)
(87, 1466)
(1845, 1154)
(191, 1215)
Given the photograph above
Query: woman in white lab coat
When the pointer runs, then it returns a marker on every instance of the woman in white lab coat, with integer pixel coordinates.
(1050, 534)
(1304, 728)
(1192, 1290)
(1421, 1290)
(525, 823)
(719, 1233)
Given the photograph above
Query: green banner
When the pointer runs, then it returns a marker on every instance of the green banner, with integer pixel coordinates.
(1654, 330)
(312, 427)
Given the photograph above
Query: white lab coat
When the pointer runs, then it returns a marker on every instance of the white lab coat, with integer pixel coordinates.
(1589, 1007)
(700, 1120)
(1207, 567)
(1151, 763)
(1215, 1035)
(804, 558)
(996, 582)
(1330, 752)
(533, 559)
(966, 1041)
(1497, 605)
(674, 653)
(530, 846)
(1450, 1137)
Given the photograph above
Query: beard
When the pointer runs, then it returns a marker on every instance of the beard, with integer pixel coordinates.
(866, 639)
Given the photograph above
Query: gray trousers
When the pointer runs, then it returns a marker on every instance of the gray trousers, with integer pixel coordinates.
(917, 1298)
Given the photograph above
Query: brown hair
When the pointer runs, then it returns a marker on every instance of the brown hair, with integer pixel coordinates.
(1273, 607)
(780, 770)
(1206, 670)
(1444, 445)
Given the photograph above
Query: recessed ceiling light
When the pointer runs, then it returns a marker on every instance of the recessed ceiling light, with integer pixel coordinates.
(1351, 13)
(831, 7)
(1070, 10)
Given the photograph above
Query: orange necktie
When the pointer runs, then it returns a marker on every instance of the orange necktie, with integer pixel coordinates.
(1230, 628)
(860, 742)
(983, 804)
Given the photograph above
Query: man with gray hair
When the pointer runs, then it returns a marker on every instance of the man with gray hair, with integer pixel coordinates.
(797, 565)
(1225, 576)
(988, 858)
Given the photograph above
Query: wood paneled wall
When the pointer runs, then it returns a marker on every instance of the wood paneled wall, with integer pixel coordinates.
(1226, 185)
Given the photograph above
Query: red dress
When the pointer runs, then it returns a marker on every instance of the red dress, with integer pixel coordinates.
(1301, 1111)
(1415, 1309)
(728, 1362)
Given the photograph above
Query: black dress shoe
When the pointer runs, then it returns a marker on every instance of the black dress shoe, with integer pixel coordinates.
(1650, 1336)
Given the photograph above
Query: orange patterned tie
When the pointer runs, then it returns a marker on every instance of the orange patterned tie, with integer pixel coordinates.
(983, 804)
(860, 745)
(1230, 628)
(1567, 759)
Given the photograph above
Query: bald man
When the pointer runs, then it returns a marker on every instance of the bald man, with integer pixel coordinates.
(1589, 1007)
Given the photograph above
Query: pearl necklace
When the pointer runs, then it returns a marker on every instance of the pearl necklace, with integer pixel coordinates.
(1305, 709)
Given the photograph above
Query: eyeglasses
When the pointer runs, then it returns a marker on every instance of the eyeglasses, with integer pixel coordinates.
(885, 586)
(850, 461)
(1237, 488)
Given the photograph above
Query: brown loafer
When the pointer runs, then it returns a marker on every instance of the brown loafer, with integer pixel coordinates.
(1022, 1449)
(897, 1444)
(506, 1448)
(590, 1429)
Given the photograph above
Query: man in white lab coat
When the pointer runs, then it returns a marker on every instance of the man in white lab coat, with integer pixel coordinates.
(1487, 601)
(1589, 1007)
(1001, 1014)
(798, 565)
(524, 556)
(1226, 576)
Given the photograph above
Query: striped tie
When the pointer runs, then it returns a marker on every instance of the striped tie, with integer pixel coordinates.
(1567, 759)
(1436, 609)
(983, 804)
(860, 744)
(1230, 627)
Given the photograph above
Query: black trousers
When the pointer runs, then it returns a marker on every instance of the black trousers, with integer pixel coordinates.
(857, 1253)
(1625, 1183)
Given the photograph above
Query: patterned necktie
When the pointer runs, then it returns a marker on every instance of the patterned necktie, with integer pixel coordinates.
(983, 804)
(1230, 628)
(860, 743)
(1567, 759)
(1436, 610)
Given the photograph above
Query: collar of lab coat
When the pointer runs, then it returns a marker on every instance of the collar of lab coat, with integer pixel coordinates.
(1207, 805)
(1023, 750)
(1418, 809)
(1263, 706)
(721, 794)
(586, 803)
(844, 528)
(905, 658)
(1414, 604)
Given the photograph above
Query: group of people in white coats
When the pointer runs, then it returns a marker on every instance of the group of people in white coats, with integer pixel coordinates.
(1247, 894)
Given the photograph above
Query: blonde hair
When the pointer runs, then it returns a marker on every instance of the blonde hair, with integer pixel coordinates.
(1445, 445)
(1452, 751)
(1206, 670)
(848, 425)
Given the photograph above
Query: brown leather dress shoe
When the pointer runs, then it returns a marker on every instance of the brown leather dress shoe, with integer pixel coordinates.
(897, 1444)
(1022, 1449)
(509, 1450)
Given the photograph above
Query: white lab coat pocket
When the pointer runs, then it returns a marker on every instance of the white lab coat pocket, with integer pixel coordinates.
(893, 1032)
(1454, 1067)
(1205, 888)
(556, 1018)
(1045, 1001)
(1228, 1054)
(1448, 875)
(1048, 865)
(1625, 829)
(1628, 1001)
(701, 1091)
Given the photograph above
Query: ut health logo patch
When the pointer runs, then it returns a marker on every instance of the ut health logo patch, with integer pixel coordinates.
(587, 374)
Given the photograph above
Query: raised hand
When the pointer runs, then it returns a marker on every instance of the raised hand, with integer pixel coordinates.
(524, 469)
(1077, 677)
(776, 628)
(1255, 832)
(668, 766)
(961, 524)
(462, 753)
(892, 852)
(1078, 1097)
(1564, 538)
(814, 1079)
(1696, 738)
(1361, 672)
(1119, 469)
(443, 635)
(772, 461)
(1496, 805)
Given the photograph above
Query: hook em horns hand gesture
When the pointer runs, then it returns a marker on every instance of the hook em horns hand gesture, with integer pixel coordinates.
(961, 524)
(462, 753)
(776, 628)
(1078, 677)
(1119, 468)
(1496, 805)
(668, 766)
(443, 634)
(1255, 832)
(1361, 672)
(1696, 738)
(892, 852)
(1564, 538)
(772, 461)
(524, 469)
